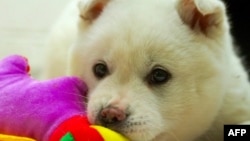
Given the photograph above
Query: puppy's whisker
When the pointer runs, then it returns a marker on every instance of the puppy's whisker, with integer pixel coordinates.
(73, 93)
(78, 95)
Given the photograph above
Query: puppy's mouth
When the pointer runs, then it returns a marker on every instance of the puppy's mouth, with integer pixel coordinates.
(128, 125)
(121, 121)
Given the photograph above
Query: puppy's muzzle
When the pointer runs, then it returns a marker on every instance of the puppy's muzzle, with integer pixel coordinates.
(111, 116)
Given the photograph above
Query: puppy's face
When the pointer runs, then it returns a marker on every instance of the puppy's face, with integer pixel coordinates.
(152, 74)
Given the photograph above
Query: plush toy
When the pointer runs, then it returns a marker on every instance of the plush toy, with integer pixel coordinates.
(51, 110)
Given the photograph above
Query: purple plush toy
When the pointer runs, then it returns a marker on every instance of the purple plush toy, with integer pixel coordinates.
(32, 108)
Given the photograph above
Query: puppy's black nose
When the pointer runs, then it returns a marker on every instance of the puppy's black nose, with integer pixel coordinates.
(111, 115)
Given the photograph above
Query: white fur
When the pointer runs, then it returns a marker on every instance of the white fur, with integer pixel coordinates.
(209, 87)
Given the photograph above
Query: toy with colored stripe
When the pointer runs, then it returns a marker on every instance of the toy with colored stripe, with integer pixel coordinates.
(51, 110)
(14, 138)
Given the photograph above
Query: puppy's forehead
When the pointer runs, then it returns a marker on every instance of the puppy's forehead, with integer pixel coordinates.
(128, 56)
(136, 49)
(132, 31)
(133, 37)
(138, 58)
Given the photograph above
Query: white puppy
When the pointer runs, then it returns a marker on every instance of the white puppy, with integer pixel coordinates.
(157, 70)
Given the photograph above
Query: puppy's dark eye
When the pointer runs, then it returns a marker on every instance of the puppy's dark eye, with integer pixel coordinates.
(100, 70)
(158, 76)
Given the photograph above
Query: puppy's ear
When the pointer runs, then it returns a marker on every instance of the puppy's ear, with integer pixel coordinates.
(91, 9)
(202, 15)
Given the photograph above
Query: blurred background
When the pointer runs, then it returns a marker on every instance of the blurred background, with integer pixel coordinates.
(239, 12)
(25, 24)
(24, 27)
